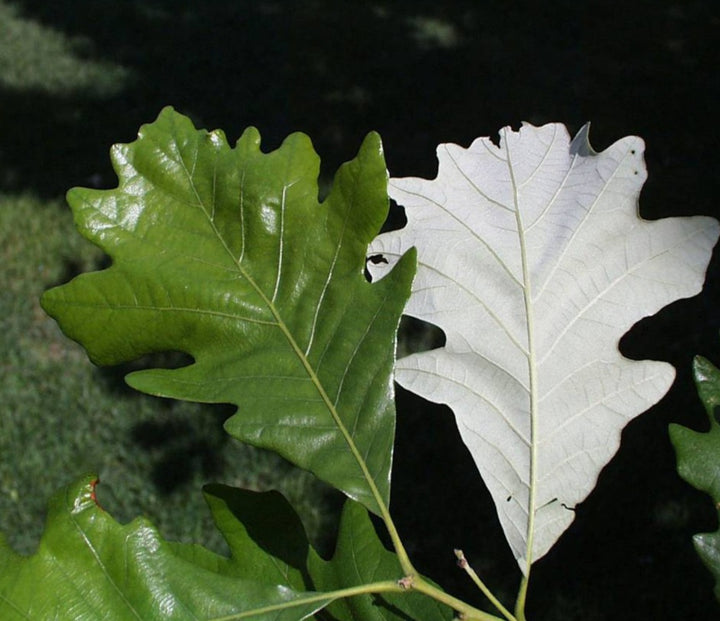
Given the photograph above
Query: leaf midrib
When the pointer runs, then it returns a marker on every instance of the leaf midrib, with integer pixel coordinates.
(532, 367)
(270, 303)
(96, 556)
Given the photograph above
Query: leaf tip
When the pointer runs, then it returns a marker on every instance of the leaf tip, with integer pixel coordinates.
(373, 141)
(250, 138)
(703, 369)
(580, 144)
(81, 496)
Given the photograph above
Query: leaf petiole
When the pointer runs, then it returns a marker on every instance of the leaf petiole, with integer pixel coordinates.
(387, 586)
(465, 610)
(522, 595)
(465, 566)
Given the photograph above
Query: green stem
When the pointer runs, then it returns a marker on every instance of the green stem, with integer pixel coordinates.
(388, 586)
(522, 595)
(463, 563)
(468, 612)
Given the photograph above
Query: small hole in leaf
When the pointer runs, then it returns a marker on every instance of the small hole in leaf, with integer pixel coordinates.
(633, 151)
(375, 259)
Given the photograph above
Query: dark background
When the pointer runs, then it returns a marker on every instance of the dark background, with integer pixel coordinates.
(422, 73)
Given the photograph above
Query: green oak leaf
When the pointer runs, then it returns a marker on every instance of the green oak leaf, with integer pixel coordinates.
(89, 567)
(698, 459)
(265, 535)
(267, 541)
(361, 558)
(227, 255)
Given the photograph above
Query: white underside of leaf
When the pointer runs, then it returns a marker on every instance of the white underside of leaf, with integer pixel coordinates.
(534, 262)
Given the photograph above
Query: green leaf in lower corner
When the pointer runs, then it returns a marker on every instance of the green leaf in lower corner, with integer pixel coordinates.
(267, 541)
(265, 535)
(89, 567)
(227, 255)
(698, 458)
(359, 558)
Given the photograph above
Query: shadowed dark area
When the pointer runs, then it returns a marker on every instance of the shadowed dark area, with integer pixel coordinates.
(423, 73)
(179, 448)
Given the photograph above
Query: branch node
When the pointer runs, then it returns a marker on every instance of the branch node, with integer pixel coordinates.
(406, 583)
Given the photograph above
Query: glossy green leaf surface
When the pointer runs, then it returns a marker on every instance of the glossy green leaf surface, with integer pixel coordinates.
(89, 567)
(361, 558)
(227, 255)
(698, 459)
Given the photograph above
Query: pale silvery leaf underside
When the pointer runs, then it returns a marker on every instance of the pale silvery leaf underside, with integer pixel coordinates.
(534, 262)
